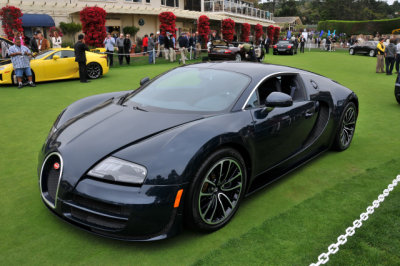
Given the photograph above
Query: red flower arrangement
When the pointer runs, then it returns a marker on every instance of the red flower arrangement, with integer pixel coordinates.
(277, 31)
(167, 20)
(228, 29)
(245, 32)
(53, 29)
(203, 27)
(11, 22)
(270, 32)
(259, 32)
(93, 25)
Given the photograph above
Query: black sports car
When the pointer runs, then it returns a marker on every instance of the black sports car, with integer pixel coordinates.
(188, 146)
(397, 89)
(285, 47)
(366, 48)
(221, 50)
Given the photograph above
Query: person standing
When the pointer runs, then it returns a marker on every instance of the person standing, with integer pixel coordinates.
(4, 49)
(56, 40)
(390, 53)
(302, 43)
(380, 56)
(172, 53)
(183, 45)
(80, 49)
(34, 43)
(397, 55)
(151, 48)
(192, 45)
(43, 43)
(167, 42)
(198, 44)
(160, 45)
(145, 44)
(20, 59)
(109, 44)
(120, 45)
(267, 43)
(127, 48)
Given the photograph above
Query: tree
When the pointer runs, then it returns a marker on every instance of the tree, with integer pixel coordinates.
(131, 30)
(93, 25)
(11, 22)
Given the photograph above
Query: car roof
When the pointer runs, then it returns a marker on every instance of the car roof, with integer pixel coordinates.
(254, 70)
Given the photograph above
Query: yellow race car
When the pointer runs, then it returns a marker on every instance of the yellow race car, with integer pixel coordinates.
(56, 64)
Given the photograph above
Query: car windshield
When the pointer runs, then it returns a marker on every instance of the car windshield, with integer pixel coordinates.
(193, 90)
(283, 42)
(43, 54)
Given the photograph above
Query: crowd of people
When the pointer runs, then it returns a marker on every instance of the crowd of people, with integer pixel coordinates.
(388, 56)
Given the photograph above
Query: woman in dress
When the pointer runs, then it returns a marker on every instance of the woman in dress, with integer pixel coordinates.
(56, 40)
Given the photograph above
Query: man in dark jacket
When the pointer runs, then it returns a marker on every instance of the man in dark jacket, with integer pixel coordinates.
(183, 45)
(390, 54)
(33, 43)
(80, 57)
(267, 43)
(127, 48)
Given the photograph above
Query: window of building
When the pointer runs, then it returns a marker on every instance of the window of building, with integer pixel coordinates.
(171, 3)
(137, 1)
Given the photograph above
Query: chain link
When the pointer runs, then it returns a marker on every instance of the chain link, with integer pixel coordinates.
(342, 239)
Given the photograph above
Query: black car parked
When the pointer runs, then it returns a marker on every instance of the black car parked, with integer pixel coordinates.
(397, 89)
(285, 47)
(366, 48)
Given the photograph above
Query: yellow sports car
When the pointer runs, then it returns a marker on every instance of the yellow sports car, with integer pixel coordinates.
(57, 64)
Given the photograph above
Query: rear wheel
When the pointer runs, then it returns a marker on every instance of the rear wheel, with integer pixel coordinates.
(346, 128)
(238, 58)
(94, 70)
(372, 53)
(216, 191)
(351, 51)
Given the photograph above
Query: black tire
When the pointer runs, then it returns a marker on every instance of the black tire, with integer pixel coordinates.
(347, 126)
(261, 59)
(216, 191)
(238, 57)
(94, 70)
(351, 51)
(397, 94)
(371, 53)
(291, 52)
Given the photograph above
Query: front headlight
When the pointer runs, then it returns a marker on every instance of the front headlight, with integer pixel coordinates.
(118, 170)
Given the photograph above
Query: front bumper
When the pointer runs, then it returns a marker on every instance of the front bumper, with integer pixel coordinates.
(121, 212)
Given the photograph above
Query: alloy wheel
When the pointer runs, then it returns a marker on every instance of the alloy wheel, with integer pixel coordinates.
(93, 70)
(220, 191)
(348, 126)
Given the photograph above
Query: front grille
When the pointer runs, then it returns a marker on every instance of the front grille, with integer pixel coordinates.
(50, 177)
(98, 220)
(100, 206)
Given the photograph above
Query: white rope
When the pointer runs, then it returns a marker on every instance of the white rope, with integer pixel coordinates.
(342, 239)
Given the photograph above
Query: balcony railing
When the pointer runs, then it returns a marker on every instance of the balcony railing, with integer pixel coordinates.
(236, 7)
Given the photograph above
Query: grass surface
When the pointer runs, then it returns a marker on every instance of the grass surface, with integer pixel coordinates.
(290, 222)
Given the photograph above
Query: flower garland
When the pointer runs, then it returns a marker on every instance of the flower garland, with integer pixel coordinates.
(11, 22)
(270, 32)
(259, 32)
(93, 25)
(167, 20)
(277, 31)
(245, 32)
(203, 27)
(228, 29)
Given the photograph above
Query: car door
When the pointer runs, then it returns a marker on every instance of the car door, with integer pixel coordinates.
(280, 132)
(61, 67)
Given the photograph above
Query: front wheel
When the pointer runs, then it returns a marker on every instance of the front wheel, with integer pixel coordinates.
(94, 70)
(372, 53)
(216, 191)
(347, 127)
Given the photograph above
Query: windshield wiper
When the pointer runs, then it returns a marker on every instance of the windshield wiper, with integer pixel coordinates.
(122, 99)
(138, 108)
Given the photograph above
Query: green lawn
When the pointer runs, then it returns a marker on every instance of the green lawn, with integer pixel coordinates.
(290, 222)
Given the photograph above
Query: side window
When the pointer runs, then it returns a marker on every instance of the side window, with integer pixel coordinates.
(253, 101)
(56, 53)
(67, 53)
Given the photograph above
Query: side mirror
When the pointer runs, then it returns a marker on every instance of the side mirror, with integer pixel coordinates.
(56, 57)
(144, 81)
(278, 99)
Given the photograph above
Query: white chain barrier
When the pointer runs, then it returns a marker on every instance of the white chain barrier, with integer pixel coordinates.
(342, 239)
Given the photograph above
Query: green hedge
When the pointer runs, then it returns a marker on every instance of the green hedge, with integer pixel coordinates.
(383, 26)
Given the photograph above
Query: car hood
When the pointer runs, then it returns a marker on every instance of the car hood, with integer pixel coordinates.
(87, 138)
